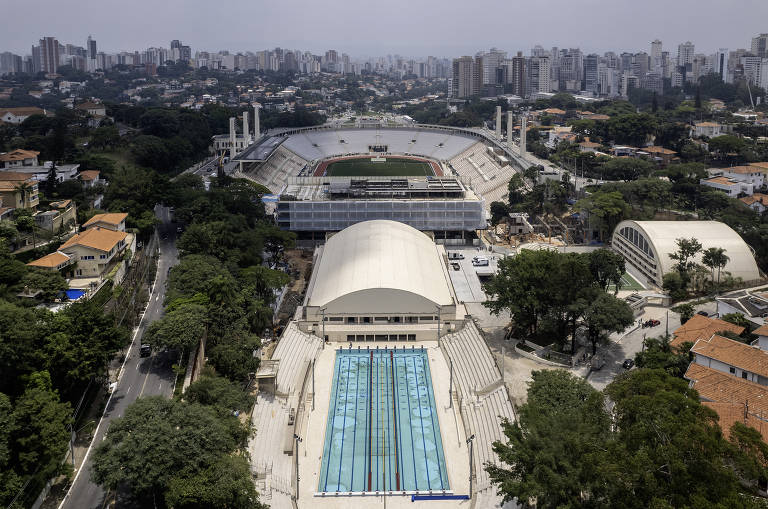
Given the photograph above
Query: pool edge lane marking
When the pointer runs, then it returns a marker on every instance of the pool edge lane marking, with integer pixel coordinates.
(370, 423)
(344, 423)
(354, 429)
(410, 423)
(428, 377)
(394, 419)
(333, 417)
(421, 421)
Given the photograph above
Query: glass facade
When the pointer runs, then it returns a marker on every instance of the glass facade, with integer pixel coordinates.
(434, 215)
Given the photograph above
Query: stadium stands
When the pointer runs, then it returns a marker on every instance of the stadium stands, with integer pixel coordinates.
(272, 415)
(487, 177)
(483, 397)
(274, 172)
(320, 144)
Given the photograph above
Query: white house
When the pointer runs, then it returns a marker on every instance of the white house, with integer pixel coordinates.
(748, 174)
(729, 186)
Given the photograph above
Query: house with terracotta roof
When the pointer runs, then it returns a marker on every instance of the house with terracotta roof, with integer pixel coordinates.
(730, 413)
(701, 327)
(61, 216)
(732, 379)
(90, 178)
(91, 108)
(54, 261)
(708, 129)
(96, 250)
(661, 155)
(114, 221)
(588, 146)
(18, 157)
(732, 357)
(18, 190)
(757, 202)
(19, 115)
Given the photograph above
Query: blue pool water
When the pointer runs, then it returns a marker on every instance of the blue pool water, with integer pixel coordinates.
(382, 432)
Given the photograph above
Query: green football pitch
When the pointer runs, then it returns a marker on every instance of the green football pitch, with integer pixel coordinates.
(388, 168)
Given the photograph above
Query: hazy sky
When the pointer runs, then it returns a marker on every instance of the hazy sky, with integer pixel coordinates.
(365, 27)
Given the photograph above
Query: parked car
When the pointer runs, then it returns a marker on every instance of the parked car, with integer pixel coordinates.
(627, 364)
(703, 313)
(455, 266)
(145, 350)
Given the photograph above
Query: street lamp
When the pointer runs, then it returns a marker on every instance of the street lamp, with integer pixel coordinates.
(439, 309)
(298, 440)
(471, 450)
(322, 311)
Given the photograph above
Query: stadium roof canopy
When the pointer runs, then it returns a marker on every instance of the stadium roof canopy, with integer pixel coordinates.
(654, 241)
(379, 267)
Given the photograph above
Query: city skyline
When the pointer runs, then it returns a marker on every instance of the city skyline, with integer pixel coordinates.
(428, 28)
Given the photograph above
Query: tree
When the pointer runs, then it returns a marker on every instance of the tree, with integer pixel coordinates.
(51, 283)
(557, 451)
(710, 258)
(737, 319)
(608, 209)
(179, 329)
(606, 314)
(26, 223)
(685, 311)
(226, 484)
(676, 453)
(24, 189)
(686, 250)
(725, 144)
(673, 284)
(657, 353)
(607, 268)
(516, 188)
(156, 440)
(39, 428)
(218, 392)
(499, 210)
(626, 168)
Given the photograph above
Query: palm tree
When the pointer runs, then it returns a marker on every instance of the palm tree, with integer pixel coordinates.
(24, 189)
(715, 257)
(708, 259)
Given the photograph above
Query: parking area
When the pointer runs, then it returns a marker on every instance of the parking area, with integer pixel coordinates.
(466, 277)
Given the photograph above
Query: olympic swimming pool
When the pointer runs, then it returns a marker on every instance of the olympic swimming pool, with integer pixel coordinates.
(382, 432)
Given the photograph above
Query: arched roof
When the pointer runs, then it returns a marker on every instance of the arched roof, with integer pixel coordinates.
(380, 255)
(663, 234)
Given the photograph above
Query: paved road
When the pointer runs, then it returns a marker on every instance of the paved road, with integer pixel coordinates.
(629, 345)
(140, 376)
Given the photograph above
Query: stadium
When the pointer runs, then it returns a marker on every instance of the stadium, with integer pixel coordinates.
(287, 157)
(381, 389)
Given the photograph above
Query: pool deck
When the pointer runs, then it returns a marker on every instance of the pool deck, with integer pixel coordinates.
(311, 428)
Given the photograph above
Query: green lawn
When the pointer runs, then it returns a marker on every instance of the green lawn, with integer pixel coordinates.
(628, 283)
(388, 168)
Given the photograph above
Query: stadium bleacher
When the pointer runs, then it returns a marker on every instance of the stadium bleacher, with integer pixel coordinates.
(483, 397)
(276, 170)
(320, 144)
(487, 177)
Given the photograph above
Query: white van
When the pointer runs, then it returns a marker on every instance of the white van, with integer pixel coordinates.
(455, 256)
(480, 261)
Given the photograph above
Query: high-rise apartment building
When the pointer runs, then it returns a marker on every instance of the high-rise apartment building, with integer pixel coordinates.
(465, 79)
(539, 80)
(493, 60)
(49, 55)
(759, 46)
(685, 53)
(516, 74)
(656, 62)
(720, 64)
